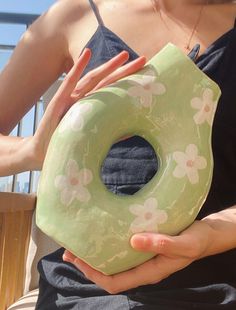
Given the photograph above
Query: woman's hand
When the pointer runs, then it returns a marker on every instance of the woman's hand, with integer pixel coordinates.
(72, 89)
(173, 254)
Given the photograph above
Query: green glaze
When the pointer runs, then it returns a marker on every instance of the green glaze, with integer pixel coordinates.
(171, 104)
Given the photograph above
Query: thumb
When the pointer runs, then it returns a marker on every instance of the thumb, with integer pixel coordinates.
(162, 244)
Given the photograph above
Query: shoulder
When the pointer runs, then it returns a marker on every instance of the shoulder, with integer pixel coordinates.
(59, 15)
(228, 10)
(51, 29)
(220, 18)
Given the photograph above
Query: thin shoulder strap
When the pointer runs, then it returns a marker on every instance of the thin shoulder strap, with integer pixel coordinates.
(96, 12)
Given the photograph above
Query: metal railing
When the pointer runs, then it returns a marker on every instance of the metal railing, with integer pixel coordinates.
(26, 20)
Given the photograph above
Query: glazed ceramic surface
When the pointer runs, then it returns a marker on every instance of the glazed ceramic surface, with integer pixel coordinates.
(171, 104)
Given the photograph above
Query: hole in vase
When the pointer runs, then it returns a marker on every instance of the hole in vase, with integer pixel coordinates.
(129, 165)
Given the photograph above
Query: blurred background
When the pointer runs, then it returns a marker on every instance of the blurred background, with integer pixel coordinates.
(15, 17)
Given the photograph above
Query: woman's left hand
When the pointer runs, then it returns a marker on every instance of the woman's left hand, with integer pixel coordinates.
(172, 254)
(71, 90)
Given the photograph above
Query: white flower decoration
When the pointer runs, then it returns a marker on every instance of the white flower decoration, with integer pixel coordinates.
(145, 87)
(148, 216)
(72, 185)
(74, 118)
(189, 163)
(206, 107)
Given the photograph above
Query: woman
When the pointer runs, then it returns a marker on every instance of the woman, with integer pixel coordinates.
(195, 270)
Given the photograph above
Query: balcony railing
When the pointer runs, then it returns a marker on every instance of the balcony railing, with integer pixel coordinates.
(29, 181)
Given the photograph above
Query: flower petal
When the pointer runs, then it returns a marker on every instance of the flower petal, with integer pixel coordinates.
(67, 197)
(82, 194)
(72, 168)
(60, 182)
(86, 107)
(150, 204)
(139, 226)
(208, 95)
(77, 122)
(211, 114)
(179, 172)
(196, 103)
(191, 151)
(180, 158)
(135, 91)
(136, 209)
(199, 117)
(158, 88)
(193, 176)
(161, 216)
(147, 80)
(85, 176)
(200, 162)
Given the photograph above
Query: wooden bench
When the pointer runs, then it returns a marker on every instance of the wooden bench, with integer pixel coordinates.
(16, 212)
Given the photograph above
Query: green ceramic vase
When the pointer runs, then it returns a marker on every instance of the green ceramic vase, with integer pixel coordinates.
(171, 104)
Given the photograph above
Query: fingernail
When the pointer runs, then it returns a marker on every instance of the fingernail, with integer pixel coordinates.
(143, 240)
(67, 259)
(76, 92)
(139, 241)
(86, 51)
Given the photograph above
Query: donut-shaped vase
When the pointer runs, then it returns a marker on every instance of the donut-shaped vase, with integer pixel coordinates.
(171, 104)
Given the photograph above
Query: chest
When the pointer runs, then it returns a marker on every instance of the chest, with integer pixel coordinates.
(146, 33)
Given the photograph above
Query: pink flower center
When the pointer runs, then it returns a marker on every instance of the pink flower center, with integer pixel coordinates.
(190, 163)
(207, 108)
(147, 87)
(74, 181)
(148, 215)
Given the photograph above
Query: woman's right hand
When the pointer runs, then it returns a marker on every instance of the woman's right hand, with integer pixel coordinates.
(71, 90)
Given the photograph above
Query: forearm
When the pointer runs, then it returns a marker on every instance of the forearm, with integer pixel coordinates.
(16, 155)
(222, 231)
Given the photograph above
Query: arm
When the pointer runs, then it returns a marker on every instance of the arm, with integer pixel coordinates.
(20, 154)
(21, 87)
(40, 57)
(214, 234)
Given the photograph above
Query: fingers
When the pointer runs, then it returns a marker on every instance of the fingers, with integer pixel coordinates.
(74, 75)
(150, 272)
(125, 70)
(62, 100)
(91, 79)
(111, 284)
(68, 256)
(153, 271)
(107, 73)
(141, 275)
(73, 88)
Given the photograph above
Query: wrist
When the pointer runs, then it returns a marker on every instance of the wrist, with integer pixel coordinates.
(16, 155)
(199, 236)
(208, 236)
(223, 231)
(32, 154)
(25, 156)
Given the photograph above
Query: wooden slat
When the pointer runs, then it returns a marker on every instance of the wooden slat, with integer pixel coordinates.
(12, 202)
(16, 211)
